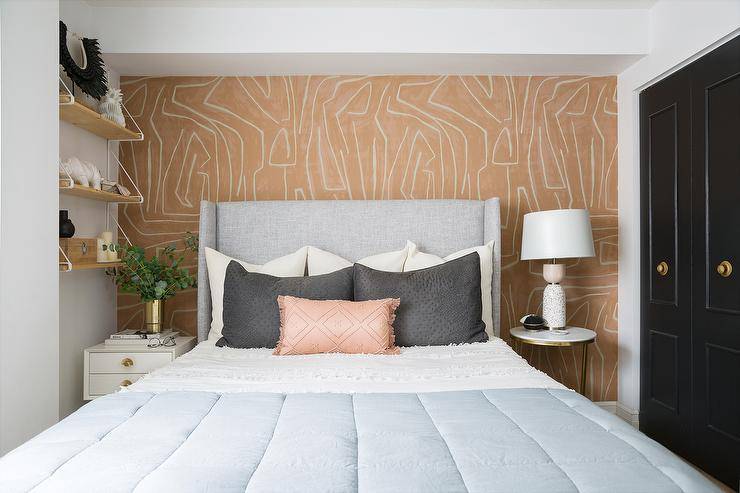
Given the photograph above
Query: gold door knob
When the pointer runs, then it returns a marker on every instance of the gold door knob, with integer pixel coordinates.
(127, 362)
(662, 268)
(126, 383)
(724, 268)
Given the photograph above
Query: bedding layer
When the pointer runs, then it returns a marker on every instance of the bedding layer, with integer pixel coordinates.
(486, 365)
(503, 440)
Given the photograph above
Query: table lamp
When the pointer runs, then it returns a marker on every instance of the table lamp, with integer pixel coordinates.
(558, 234)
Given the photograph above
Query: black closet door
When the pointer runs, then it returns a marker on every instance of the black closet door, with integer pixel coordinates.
(665, 376)
(716, 239)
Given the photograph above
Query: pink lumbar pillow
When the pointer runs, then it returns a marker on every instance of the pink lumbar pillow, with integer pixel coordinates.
(336, 326)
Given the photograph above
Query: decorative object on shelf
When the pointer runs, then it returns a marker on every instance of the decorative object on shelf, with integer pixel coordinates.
(75, 169)
(110, 107)
(107, 251)
(533, 322)
(95, 173)
(91, 77)
(155, 279)
(83, 173)
(108, 186)
(80, 252)
(115, 187)
(102, 255)
(66, 228)
(556, 234)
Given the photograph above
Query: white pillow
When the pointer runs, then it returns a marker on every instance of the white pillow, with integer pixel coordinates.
(323, 262)
(416, 260)
(291, 265)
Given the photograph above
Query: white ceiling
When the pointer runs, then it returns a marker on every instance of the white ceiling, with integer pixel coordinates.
(494, 4)
(435, 36)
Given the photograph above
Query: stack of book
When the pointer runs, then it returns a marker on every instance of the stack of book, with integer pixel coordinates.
(131, 337)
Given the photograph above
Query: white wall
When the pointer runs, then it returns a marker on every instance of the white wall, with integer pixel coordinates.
(681, 31)
(29, 292)
(87, 306)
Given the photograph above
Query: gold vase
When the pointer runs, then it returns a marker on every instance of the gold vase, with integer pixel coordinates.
(153, 316)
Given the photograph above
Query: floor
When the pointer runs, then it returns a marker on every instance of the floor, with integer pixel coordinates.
(611, 406)
(722, 486)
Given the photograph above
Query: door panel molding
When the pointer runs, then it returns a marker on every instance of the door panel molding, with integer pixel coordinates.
(721, 169)
(657, 281)
(734, 353)
(673, 407)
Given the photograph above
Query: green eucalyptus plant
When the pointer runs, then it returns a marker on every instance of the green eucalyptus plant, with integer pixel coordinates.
(156, 278)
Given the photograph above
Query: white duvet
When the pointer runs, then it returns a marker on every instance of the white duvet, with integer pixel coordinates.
(487, 365)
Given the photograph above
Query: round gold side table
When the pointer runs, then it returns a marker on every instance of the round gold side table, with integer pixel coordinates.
(576, 336)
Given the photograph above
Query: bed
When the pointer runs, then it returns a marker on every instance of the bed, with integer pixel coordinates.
(471, 417)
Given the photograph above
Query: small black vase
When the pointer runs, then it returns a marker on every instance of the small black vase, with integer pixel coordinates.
(66, 228)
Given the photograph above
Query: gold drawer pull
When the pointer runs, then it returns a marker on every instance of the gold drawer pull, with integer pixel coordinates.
(662, 268)
(126, 383)
(724, 268)
(127, 362)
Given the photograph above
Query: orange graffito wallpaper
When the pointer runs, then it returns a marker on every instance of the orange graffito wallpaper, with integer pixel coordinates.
(537, 143)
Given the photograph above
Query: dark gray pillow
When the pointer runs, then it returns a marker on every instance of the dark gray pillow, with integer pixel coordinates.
(251, 313)
(440, 305)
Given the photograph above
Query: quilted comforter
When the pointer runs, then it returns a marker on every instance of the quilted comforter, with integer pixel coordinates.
(504, 440)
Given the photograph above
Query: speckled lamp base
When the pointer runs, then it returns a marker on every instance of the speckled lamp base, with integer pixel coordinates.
(553, 306)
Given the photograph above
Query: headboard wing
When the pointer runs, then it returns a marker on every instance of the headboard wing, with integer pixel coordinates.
(262, 230)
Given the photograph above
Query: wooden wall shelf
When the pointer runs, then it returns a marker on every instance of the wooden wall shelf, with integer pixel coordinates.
(91, 193)
(81, 116)
(63, 267)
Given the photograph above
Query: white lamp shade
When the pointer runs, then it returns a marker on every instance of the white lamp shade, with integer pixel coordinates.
(563, 233)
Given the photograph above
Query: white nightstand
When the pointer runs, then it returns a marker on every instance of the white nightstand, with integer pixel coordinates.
(576, 336)
(108, 367)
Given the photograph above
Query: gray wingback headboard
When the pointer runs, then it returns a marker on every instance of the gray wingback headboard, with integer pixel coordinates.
(260, 231)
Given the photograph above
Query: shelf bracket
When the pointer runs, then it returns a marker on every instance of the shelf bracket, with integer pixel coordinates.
(115, 221)
(138, 128)
(66, 262)
(69, 177)
(70, 97)
(122, 168)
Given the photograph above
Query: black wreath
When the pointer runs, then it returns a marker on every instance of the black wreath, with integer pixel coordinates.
(92, 79)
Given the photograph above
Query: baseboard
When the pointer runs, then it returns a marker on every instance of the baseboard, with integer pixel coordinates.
(629, 415)
(610, 406)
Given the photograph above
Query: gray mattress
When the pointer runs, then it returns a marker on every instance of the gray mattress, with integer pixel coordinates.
(530, 440)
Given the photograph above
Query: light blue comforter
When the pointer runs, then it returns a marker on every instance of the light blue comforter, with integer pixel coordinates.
(529, 440)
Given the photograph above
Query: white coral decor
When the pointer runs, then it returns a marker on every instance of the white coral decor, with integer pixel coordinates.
(76, 170)
(83, 173)
(110, 106)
